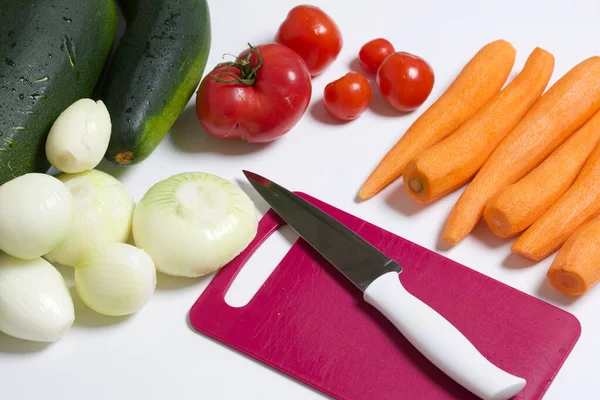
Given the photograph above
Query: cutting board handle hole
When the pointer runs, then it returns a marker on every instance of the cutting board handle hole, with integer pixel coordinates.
(260, 266)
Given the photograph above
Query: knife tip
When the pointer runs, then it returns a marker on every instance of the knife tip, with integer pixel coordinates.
(255, 178)
(248, 174)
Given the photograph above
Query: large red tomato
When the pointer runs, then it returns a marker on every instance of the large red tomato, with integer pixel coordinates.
(258, 97)
(313, 34)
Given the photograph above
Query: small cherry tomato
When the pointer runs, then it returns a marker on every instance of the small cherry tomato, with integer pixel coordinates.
(347, 97)
(313, 35)
(372, 54)
(405, 81)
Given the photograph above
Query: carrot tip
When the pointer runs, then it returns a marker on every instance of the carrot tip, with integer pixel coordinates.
(450, 240)
(364, 194)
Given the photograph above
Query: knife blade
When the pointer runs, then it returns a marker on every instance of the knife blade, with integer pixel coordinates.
(359, 261)
(377, 276)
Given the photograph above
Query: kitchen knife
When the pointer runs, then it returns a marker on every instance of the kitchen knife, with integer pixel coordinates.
(376, 276)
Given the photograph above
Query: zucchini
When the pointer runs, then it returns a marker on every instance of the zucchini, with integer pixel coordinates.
(52, 53)
(154, 72)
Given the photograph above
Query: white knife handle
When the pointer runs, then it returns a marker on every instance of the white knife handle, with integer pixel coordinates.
(439, 341)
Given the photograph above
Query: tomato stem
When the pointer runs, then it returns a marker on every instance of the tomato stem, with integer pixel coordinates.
(247, 72)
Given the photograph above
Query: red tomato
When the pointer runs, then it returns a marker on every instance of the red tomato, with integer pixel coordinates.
(372, 54)
(348, 97)
(405, 80)
(258, 102)
(313, 35)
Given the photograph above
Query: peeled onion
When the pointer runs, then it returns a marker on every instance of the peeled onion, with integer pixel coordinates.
(36, 211)
(103, 210)
(115, 279)
(79, 137)
(35, 303)
(194, 223)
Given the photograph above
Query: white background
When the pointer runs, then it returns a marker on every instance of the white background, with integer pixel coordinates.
(155, 355)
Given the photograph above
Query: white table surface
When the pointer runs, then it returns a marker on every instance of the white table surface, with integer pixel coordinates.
(155, 355)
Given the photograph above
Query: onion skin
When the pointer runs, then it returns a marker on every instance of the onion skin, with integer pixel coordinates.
(36, 211)
(35, 303)
(79, 137)
(194, 223)
(115, 279)
(103, 210)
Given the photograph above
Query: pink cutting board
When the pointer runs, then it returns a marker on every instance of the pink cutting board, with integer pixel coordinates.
(310, 323)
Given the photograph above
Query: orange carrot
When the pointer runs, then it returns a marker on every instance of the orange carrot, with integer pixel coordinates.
(450, 163)
(575, 207)
(481, 78)
(565, 107)
(517, 206)
(576, 267)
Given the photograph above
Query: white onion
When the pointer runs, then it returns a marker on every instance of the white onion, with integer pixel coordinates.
(103, 210)
(79, 137)
(35, 303)
(36, 211)
(194, 223)
(115, 279)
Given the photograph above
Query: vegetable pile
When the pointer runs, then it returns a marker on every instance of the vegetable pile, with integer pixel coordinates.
(263, 93)
(530, 158)
(190, 224)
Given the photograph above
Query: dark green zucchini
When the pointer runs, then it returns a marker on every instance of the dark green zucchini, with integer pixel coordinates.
(52, 53)
(154, 72)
